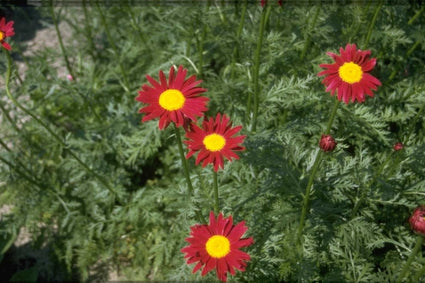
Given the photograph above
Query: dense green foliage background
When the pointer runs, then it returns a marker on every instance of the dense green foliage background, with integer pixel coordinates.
(129, 209)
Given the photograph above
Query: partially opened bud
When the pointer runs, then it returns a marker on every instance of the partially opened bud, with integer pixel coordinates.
(417, 220)
(327, 143)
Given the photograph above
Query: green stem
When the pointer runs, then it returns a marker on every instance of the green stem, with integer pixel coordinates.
(264, 16)
(186, 171)
(317, 159)
(114, 47)
(418, 246)
(68, 66)
(238, 35)
(88, 30)
(419, 274)
(8, 118)
(201, 49)
(416, 16)
(56, 137)
(372, 24)
(216, 199)
(365, 191)
(307, 41)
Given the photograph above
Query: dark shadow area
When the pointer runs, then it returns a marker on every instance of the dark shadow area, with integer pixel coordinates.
(31, 262)
(27, 20)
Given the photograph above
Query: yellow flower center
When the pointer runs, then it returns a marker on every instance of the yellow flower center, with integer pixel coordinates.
(350, 72)
(218, 246)
(214, 142)
(1, 35)
(172, 99)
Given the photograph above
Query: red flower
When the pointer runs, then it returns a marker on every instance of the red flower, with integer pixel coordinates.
(172, 100)
(263, 3)
(349, 75)
(6, 30)
(213, 141)
(417, 220)
(398, 146)
(327, 143)
(217, 246)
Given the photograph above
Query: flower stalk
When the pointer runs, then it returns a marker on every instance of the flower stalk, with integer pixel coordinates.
(317, 159)
(186, 171)
(264, 17)
(64, 54)
(216, 199)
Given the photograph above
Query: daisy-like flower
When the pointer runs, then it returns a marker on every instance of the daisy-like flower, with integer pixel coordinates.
(349, 75)
(172, 100)
(417, 220)
(213, 141)
(6, 30)
(217, 246)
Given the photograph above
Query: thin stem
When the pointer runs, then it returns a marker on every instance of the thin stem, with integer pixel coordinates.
(87, 27)
(264, 16)
(216, 199)
(372, 23)
(419, 274)
(186, 171)
(238, 35)
(418, 246)
(68, 66)
(416, 16)
(317, 159)
(306, 199)
(114, 47)
(365, 191)
(26, 111)
(201, 49)
(8, 118)
(307, 42)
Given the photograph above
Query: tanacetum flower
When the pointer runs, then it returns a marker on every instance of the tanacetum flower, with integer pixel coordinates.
(327, 143)
(6, 30)
(213, 141)
(349, 75)
(398, 146)
(172, 100)
(417, 220)
(217, 246)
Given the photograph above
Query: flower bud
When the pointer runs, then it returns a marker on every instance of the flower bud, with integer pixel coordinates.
(398, 146)
(327, 143)
(417, 221)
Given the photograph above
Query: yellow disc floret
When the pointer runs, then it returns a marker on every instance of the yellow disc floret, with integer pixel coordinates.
(171, 99)
(1, 35)
(214, 142)
(350, 72)
(218, 246)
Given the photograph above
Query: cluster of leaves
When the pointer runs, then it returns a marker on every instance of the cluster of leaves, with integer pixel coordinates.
(112, 191)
